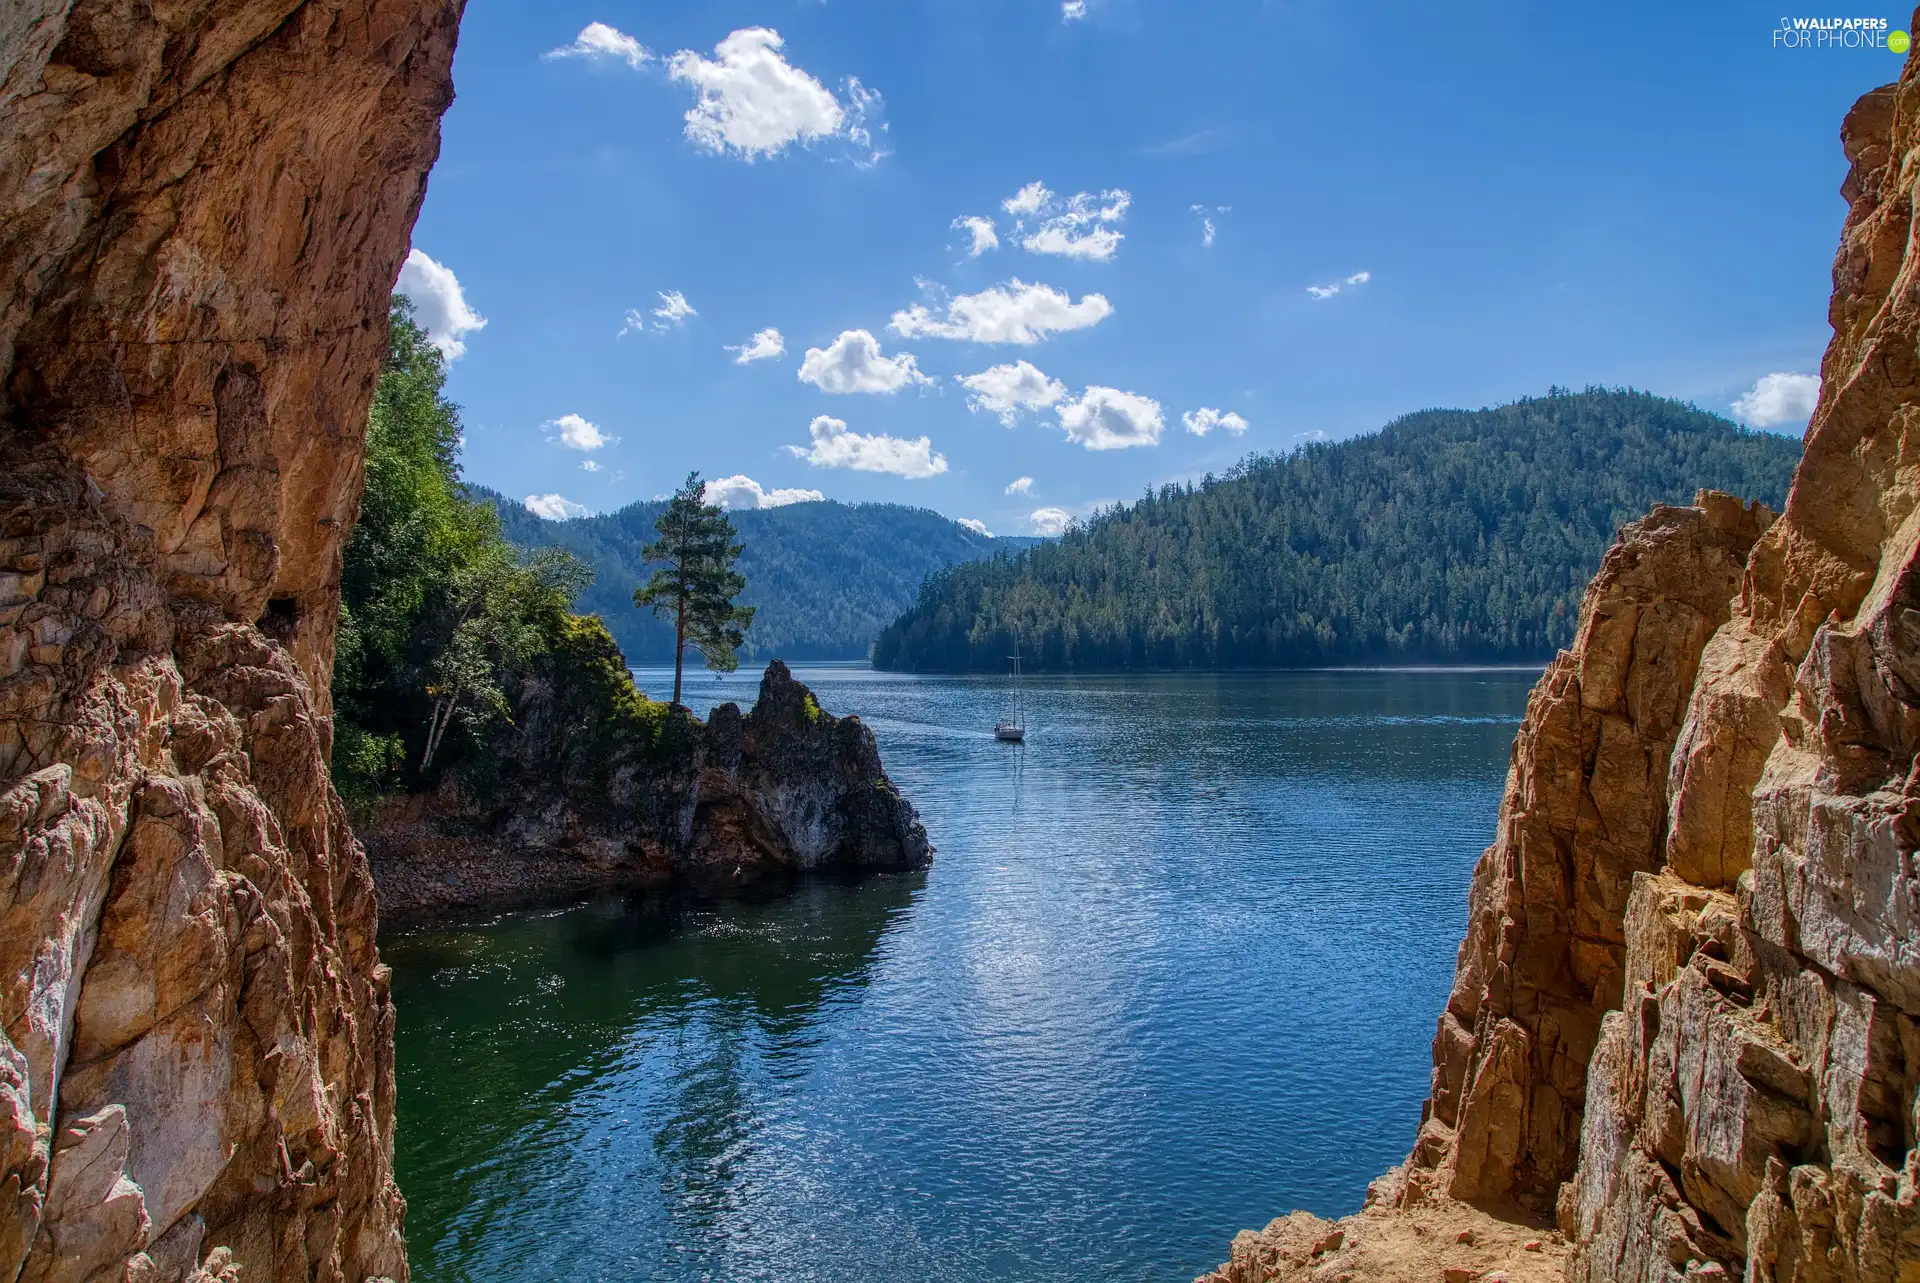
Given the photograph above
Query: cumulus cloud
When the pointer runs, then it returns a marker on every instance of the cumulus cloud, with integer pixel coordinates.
(439, 304)
(588, 465)
(1050, 521)
(1079, 226)
(740, 491)
(674, 308)
(1006, 390)
(982, 230)
(835, 447)
(1081, 230)
(1328, 291)
(1778, 399)
(852, 363)
(1072, 10)
(1012, 313)
(978, 527)
(1204, 420)
(1109, 419)
(1030, 199)
(1019, 485)
(598, 40)
(576, 433)
(753, 103)
(765, 345)
(555, 507)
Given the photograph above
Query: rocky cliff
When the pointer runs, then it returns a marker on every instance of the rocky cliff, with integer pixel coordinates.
(1685, 1024)
(598, 788)
(203, 207)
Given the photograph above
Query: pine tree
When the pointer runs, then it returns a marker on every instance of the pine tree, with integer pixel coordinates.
(696, 582)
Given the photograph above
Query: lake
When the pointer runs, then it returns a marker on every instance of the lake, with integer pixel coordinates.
(1174, 971)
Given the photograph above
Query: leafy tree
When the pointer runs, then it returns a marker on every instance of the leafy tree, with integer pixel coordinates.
(696, 582)
(1450, 535)
(438, 612)
(825, 576)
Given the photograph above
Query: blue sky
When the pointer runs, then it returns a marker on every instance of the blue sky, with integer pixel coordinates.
(1506, 197)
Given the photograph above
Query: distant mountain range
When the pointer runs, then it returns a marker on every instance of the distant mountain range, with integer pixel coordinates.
(1449, 535)
(825, 576)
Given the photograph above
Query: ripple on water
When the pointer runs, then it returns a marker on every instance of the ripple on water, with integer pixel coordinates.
(1174, 971)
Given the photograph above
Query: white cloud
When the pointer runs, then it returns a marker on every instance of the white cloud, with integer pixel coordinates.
(1109, 419)
(766, 344)
(1030, 199)
(1019, 485)
(1072, 10)
(835, 447)
(753, 103)
(1204, 420)
(853, 364)
(1777, 399)
(984, 235)
(439, 304)
(578, 434)
(1328, 291)
(674, 308)
(555, 507)
(1006, 390)
(1050, 521)
(978, 527)
(1077, 227)
(740, 491)
(598, 40)
(866, 114)
(671, 314)
(1311, 434)
(1207, 230)
(1012, 313)
(588, 465)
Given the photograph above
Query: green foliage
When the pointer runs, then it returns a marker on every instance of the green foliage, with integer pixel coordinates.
(823, 577)
(695, 582)
(439, 613)
(1450, 535)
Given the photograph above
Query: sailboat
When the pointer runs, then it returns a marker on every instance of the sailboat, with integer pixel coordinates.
(1015, 731)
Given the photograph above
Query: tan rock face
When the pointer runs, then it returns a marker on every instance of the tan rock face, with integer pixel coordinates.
(1687, 1010)
(202, 209)
(1584, 813)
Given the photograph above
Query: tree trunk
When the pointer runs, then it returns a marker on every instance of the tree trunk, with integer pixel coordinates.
(679, 645)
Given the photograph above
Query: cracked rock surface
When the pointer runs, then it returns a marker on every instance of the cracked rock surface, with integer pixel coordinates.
(1685, 1024)
(203, 207)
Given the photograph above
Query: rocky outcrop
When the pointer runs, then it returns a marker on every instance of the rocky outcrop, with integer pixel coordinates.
(1584, 813)
(590, 800)
(1686, 1018)
(202, 209)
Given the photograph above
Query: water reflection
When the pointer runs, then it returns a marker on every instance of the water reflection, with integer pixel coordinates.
(519, 1027)
(1175, 968)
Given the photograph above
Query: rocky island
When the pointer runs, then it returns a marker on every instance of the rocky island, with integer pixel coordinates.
(589, 803)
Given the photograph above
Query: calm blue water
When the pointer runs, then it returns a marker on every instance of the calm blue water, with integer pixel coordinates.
(1174, 971)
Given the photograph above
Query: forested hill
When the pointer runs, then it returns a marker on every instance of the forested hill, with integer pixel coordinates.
(1449, 535)
(826, 576)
